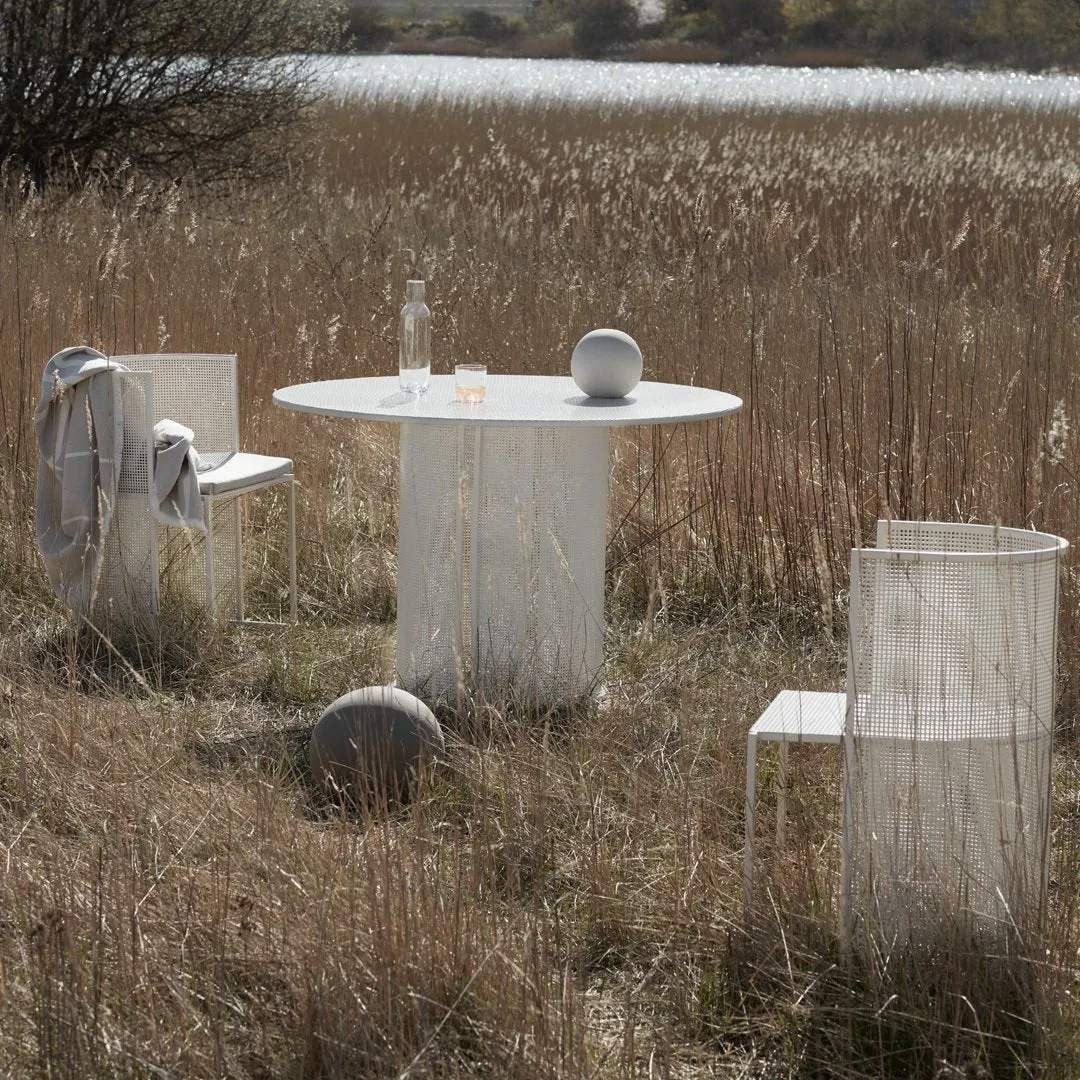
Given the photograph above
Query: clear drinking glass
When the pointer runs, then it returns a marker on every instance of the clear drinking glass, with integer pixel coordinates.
(414, 350)
(470, 383)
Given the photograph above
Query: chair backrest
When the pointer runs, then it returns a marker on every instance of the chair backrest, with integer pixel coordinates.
(960, 536)
(949, 727)
(198, 390)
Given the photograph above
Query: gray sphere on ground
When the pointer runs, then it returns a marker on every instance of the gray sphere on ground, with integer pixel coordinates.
(374, 743)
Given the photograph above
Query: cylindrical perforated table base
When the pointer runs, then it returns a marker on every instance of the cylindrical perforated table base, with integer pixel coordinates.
(501, 560)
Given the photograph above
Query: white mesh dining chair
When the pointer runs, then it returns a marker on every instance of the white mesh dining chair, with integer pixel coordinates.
(947, 728)
(199, 391)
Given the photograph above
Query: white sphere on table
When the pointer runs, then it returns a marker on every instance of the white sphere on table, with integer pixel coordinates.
(606, 363)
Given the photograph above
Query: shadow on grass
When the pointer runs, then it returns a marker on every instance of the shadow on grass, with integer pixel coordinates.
(494, 720)
(955, 1009)
(278, 754)
(281, 756)
(173, 651)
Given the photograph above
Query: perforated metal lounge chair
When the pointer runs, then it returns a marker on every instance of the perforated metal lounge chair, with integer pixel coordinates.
(947, 727)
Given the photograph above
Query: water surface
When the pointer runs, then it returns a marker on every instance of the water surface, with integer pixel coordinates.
(479, 80)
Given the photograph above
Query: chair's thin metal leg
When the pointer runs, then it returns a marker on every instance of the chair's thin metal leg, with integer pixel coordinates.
(154, 562)
(238, 558)
(751, 812)
(208, 553)
(781, 798)
(292, 550)
(846, 914)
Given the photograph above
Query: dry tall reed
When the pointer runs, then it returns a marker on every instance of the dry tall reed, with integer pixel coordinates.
(895, 298)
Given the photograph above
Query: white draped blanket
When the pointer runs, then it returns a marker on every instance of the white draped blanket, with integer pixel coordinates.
(80, 435)
(175, 494)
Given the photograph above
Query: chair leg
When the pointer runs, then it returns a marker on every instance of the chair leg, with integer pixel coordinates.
(292, 551)
(781, 797)
(208, 554)
(751, 813)
(846, 912)
(238, 558)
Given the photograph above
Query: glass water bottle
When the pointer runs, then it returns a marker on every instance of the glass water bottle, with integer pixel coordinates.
(414, 352)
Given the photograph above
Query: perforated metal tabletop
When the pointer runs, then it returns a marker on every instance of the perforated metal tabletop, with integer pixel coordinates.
(512, 401)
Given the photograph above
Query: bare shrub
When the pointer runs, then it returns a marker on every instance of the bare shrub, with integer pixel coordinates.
(166, 88)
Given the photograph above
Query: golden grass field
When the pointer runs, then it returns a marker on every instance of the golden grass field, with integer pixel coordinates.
(894, 296)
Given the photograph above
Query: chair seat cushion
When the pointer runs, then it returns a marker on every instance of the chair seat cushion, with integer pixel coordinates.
(240, 471)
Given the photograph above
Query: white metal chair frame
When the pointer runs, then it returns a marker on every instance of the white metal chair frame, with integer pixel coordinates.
(198, 390)
(1005, 699)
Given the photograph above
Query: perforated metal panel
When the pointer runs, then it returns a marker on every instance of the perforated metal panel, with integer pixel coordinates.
(501, 560)
(128, 588)
(957, 536)
(199, 390)
(949, 729)
(432, 561)
(183, 558)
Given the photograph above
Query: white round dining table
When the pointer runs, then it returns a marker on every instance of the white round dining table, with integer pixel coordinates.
(502, 524)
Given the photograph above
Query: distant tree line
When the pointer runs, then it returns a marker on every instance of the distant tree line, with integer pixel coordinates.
(1024, 33)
